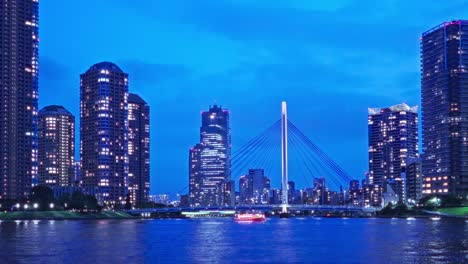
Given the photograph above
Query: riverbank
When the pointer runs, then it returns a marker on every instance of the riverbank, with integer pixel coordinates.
(403, 212)
(62, 215)
(454, 211)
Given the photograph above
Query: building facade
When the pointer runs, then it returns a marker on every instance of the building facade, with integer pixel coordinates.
(138, 150)
(210, 160)
(227, 193)
(254, 187)
(19, 49)
(355, 193)
(372, 195)
(195, 179)
(444, 90)
(77, 179)
(56, 146)
(413, 180)
(393, 138)
(104, 131)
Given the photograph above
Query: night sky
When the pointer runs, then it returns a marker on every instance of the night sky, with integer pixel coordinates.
(329, 61)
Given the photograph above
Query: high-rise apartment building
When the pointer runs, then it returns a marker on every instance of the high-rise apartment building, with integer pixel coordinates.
(19, 48)
(138, 150)
(210, 161)
(104, 131)
(393, 138)
(56, 146)
(444, 90)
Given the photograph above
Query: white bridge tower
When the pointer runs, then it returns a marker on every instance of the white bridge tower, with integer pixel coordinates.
(284, 157)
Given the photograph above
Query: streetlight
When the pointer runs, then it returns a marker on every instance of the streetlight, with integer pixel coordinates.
(25, 207)
(51, 206)
(35, 205)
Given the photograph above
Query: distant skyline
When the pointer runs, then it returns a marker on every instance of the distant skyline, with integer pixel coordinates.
(330, 61)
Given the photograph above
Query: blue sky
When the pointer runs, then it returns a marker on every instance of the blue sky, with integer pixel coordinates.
(329, 59)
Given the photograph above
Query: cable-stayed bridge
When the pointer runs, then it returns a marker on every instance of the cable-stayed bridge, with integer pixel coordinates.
(306, 160)
(284, 152)
(297, 155)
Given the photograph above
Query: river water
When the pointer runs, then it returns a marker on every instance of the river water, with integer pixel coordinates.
(221, 240)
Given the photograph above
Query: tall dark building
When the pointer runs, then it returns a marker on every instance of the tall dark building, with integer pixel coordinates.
(195, 179)
(77, 179)
(104, 131)
(19, 40)
(254, 187)
(56, 146)
(413, 179)
(245, 190)
(227, 193)
(393, 137)
(444, 88)
(211, 159)
(138, 150)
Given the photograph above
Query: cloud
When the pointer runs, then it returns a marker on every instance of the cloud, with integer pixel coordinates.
(329, 59)
(154, 73)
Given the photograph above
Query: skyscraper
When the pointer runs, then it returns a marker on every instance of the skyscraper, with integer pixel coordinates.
(56, 146)
(19, 40)
(211, 159)
(444, 89)
(138, 150)
(393, 137)
(104, 131)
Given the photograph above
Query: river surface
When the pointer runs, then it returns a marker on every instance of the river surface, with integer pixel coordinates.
(221, 240)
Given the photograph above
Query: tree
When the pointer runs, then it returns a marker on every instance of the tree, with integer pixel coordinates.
(401, 207)
(440, 200)
(128, 202)
(64, 200)
(91, 202)
(387, 210)
(77, 200)
(43, 196)
(6, 204)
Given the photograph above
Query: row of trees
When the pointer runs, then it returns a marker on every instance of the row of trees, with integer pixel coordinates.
(429, 202)
(42, 198)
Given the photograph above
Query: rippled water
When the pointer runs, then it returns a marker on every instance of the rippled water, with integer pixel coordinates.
(295, 240)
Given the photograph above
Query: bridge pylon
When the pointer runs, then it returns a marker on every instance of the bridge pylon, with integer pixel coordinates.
(284, 157)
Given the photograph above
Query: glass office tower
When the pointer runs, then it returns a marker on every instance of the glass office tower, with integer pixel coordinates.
(212, 159)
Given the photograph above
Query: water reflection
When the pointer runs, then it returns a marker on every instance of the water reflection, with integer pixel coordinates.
(307, 240)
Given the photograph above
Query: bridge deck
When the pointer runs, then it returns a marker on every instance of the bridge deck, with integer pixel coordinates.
(263, 208)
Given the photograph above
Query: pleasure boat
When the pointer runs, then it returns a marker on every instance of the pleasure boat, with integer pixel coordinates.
(249, 217)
